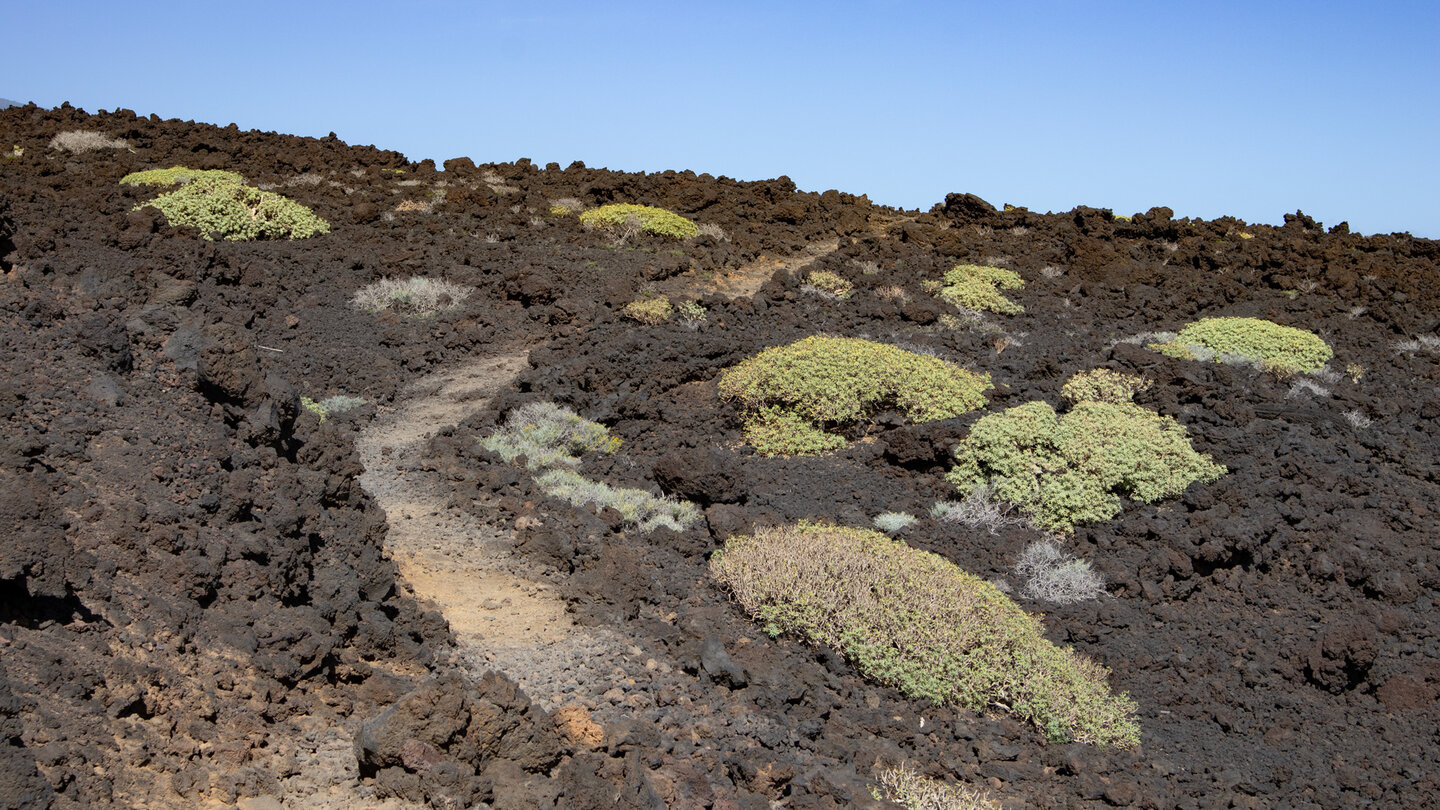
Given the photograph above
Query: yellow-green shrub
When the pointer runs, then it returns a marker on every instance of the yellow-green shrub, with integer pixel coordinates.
(236, 211)
(177, 174)
(649, 311)
(1074, 468)
(792, 394)
(977, 287)
(1103, 385)
(1271, 346)
(832, 283)
(649, 219)
(915, 621)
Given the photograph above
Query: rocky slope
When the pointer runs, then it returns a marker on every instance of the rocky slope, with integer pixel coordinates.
(198, 605)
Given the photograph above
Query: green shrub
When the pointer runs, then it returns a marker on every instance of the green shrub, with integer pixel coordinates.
(546, 435)
(639, 509)
(915, 621)
(1104, 385)
(649, 311)
(338, 403)
(238, 212)
(649, 219)
(1273, 347)
(692, 314)
(1070, 469)
(976, 287)
(892, 522)
(177, 174)
(792, 394)
(831, 283)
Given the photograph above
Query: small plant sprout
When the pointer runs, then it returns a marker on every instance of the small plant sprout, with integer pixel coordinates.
(1355, 371)
(894, 522)
(548, 435)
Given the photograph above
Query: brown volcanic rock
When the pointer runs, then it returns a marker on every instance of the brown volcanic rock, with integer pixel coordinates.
(196, 589)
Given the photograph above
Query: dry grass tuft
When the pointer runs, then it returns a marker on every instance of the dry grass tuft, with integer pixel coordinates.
(915, 791)
(78, 140)
(416, 297)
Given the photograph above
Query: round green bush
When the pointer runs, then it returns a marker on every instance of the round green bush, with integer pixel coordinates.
(177, 174)
(649, 219)
(792, 395)
(977, 287)
(237, 212)
(1062, 470)
(915, 621)
(1270, 345)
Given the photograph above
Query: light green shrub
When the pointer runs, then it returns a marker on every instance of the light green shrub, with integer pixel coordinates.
(831, 283)
(915, 621)
(649, 311)
(177, 174)
(977, 287)
(792, 394)
(640, 509)
(892, 522)
(338, 403)
(238, 212)
(547, 435)
(1283, 349)
(1104, 385)
(657, 221)
(1071, 469)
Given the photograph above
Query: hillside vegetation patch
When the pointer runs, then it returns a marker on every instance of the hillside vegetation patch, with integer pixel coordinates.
(176, 175)
(237, 212)
(915, 621)
(621, 217)
(552, 439)
(1104, 385)
(1063, 470)
(649, 311)
(793, 396)
(977, 287)
(1269, 345)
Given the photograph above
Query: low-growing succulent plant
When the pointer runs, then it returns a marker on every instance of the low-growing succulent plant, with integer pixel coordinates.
(648, 219)
(1063, 470)
(977, 287)
(236, 212)
(792, 396)
(1268, 345)
(914, 620)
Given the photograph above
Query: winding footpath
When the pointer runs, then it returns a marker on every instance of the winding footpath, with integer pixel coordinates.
(504, 618)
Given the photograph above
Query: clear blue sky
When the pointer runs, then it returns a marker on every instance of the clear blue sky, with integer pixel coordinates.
(1212, 108)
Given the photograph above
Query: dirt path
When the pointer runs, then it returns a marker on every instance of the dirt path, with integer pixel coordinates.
(503, 617)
